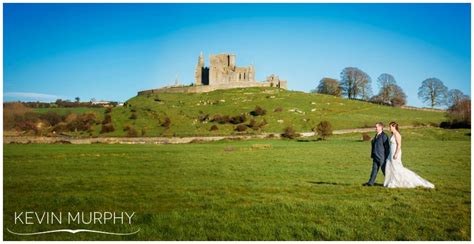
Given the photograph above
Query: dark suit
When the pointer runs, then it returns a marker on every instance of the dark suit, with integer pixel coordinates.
(379, 154)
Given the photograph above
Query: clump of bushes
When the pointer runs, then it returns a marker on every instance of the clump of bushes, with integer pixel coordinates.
(131, 132)
(240, 128)
(107, 119)
(324, 129)
(106, 128)
(238, 119)
(289, 133)
(256, 126)
(52, 118)
(258, 111)
(459, 115)
(82, 122)
(133, 116)
(214, 128)
(221, 119)
(166, 122)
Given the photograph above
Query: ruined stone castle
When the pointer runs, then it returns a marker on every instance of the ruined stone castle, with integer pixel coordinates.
(223, 73)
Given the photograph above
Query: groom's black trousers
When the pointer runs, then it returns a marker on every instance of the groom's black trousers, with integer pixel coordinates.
(377, 164)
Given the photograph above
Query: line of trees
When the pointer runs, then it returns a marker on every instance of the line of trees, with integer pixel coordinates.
(356, 84)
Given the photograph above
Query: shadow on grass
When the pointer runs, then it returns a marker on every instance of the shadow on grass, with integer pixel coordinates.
(309, 140)
(337, 183)
(328, 183)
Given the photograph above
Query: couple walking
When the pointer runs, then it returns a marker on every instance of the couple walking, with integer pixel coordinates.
(387, 154)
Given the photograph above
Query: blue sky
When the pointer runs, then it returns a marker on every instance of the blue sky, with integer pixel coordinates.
(111, 51)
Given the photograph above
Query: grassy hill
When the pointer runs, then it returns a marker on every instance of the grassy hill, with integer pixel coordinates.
(192, 114)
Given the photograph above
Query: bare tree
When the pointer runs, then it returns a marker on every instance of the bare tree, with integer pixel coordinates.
(385, 82)
(329, 86)
(459, 114)
(397, 97)
(355, 83)
(390, 93)
(433, 90)
(455, 96)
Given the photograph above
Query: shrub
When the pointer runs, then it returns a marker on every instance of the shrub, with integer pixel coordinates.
(253, 124)
(106, 128)
(279, 109)
(12, 110)
(82, 122)
(133, 116)
(60, 127)
(143, 131)
(459, 114)
(258, 111)
(213, 128)
(324, 129)
(25, 125)
(262, 124)
(107, 119)
(240, 128)
(220, 119)
(166, 122)
(238, 119)
(289, 133)
(203, 117)
(26, 122)
(132, 132)
(51, 117)
(366, 137)
(271, 135)
(108, 110)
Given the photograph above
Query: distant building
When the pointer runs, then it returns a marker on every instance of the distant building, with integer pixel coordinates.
(223, 73)
(104, 103)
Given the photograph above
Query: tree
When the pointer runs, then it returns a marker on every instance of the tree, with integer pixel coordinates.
(324, 129)
(455, 96)
(329, 86)
(77, 99)
(397, 97)
(433, 90)
(459, 115)
(385, 82)
(390, 93)
(355, 83)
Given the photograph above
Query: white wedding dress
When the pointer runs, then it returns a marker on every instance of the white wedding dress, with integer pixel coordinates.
(397, 176)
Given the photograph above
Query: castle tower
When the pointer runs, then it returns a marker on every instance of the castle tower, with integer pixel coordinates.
(251, 73)
(199, 69)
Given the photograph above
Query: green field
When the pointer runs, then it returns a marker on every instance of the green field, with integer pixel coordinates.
(245, 190)
(303, 111)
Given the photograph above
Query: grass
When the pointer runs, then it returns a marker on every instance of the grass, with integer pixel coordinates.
(301, 110)
(245, 190)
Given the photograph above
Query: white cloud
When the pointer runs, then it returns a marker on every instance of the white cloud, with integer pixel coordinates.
(31, 96)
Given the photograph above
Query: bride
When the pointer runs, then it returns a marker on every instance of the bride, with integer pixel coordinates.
(397, 176)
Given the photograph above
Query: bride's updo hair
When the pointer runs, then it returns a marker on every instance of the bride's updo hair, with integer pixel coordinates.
(394, 124)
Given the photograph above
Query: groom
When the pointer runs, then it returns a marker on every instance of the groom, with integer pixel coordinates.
(379, 154)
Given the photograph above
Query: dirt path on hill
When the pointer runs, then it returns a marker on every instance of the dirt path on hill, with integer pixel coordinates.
(164, 140)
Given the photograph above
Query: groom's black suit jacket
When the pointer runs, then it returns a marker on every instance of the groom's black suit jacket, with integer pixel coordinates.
(380, 147)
